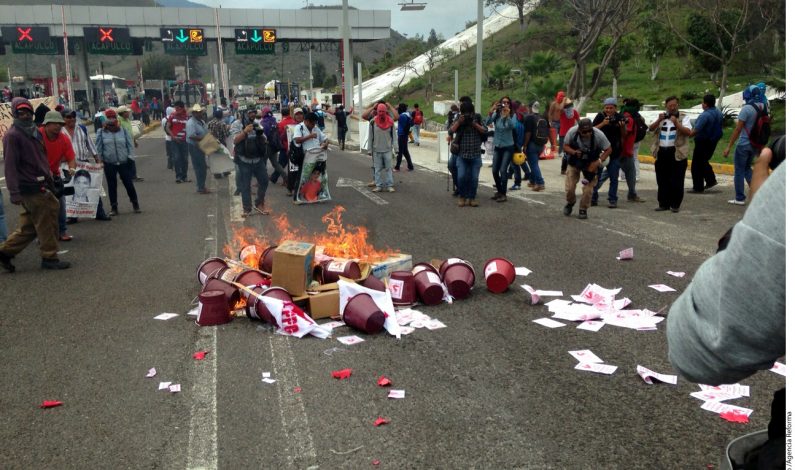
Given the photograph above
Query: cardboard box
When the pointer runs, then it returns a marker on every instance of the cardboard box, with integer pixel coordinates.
(399, 262)
(324, 304)
(292, 266)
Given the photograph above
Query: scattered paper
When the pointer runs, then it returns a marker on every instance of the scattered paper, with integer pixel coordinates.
(577, 312)
(549, 293)
(434, 324)
(734, 417)
(599, 368)
(779, 368)
(164, 385)
(342, 373)
(718, 407)
(579, 298)
(200, 355)
(152, 372)
(380, 421)
(266, 375)
(268, 380)
(405, 330)
(396, 394)
(383, 381)
(621, 303)
(706, 395)
(534, 297)
(166, 316)
(522, 271)
(675, 273)
(626, 254)
(376, 462)
(557, 304)
(50, 404)
(549, 323)
(350, 340)
(586, 355)
(595, 294)
(174, 388)
(194, 312)
(591, 325)
(742, 390)
(662, 288)
(648, 375)
(332, 324)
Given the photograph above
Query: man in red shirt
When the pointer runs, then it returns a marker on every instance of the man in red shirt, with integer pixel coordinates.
(59, 149)
(175, 127)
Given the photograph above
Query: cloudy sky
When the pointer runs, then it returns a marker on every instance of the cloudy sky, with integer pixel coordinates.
(446, 16)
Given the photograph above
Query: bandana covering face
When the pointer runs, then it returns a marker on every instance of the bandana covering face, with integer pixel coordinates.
(560, 96)
(569, 112)
(382, 118)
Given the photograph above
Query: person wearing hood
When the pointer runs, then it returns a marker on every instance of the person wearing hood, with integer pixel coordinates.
(30, 185)
(381, 142)
(114, 147)
(755, 103)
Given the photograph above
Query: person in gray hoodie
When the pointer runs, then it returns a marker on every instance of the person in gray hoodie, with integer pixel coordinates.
(381, 142)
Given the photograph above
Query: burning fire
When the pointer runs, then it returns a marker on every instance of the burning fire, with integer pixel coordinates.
(240, 304)
(339, 241)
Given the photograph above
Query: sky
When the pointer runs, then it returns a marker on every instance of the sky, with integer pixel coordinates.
(438, 14)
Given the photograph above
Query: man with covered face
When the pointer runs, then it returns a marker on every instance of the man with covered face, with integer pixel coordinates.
(30, 185)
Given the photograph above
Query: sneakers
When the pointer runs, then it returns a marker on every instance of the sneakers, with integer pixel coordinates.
(473, 203)
(136, 208)
(53, 263)
(514, 187)
(583, 214)
(462, 202)
(736, 202)
(261, 208)
(376, 189)
(390, 189)
(567, 209)
(65, 237)
(204, 191)
(5, 262)
(113, 213)
(246, 213)
(612, 205)
(137, 180)
(397, 168)
(371, 184)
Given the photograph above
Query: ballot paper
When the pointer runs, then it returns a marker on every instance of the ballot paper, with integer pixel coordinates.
(648, 375)
(626, 254)
(434, 324)
(632, 319)
(718, 407)
(662, 288)
(591, 325)
(598, 368)
(595, 294)
(779, 368)
(549, 323)
(586, 356)
(350, 340)
(554, 305)
(166, 316)
(164, 385)
(742, 390)
(577, 312)
(396, 393)
(715, 395)
(174, 388)
(522, 271)
(332, 324)
(675, 273)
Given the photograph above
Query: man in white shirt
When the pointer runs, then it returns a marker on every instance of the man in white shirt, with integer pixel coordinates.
(670, 149)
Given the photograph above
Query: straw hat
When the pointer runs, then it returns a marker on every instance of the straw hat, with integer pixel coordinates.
(197, 108)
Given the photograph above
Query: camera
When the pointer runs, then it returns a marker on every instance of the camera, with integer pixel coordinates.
(674, 114)
(616, 119)
(258, 129)
(58, 185)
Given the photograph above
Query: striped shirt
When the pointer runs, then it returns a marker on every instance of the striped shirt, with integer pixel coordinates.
(83, 146)
(668, 130)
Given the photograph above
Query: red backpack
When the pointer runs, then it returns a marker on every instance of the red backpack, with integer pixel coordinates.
(418, 117)
(760, 132)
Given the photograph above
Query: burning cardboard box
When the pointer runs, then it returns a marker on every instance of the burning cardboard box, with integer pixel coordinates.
(292, 266)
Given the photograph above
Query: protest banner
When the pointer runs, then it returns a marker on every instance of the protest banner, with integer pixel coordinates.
(7, 118)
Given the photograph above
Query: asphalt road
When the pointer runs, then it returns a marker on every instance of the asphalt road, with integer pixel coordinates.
(492, 390)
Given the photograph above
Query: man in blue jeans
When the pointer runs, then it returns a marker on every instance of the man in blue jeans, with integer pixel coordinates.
(755, 103)
(532, 149)
(613, 125)
(195, 130)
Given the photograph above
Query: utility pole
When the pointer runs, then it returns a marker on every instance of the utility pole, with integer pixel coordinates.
(479, 58)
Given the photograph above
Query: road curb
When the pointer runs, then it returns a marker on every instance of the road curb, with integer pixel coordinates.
(720, 168)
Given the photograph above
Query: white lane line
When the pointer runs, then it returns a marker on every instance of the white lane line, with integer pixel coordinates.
(203, 431)
(362, 188)
(295, 422)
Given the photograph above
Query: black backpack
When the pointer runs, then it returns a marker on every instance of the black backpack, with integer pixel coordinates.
(542, 132)
(640, 126)
(274, 139)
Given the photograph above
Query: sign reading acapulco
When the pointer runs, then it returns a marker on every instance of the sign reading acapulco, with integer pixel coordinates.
(30, 40)
(109, 40)
(183, 41)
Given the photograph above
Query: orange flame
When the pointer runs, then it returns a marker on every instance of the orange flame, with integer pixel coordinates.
(339, 241)
(240, 304)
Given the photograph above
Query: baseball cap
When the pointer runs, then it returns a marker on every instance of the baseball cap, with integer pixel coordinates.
(110, 114)
(298, 110)
(585, 124)
(22, 103)
(609, 101)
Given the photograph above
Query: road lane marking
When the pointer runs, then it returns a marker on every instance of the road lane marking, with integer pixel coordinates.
(361, 187)
(203, 430)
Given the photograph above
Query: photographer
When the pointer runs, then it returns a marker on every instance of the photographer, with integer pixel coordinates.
(670, 148)
(614, 127)
(504, 145)
(30, 184)
(586, 149)
(251, 148)
(468, 130)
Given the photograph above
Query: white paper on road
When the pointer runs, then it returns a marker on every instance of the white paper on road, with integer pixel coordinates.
(579, 298)
(718, 407)
(662, 288)
(595, 294)
(633, 319)
(554, 305)
(350, 340)
(648, 375)
(174, 388)
(164, 385)
(779, 368)
(549, 323)
(406, 330)
(332, 324)
(266, 375)
(619, 304)
(268, 380)
(549, 293)
(577, 312)
(598, 368)
(194, 312)
(534, 297)
(434, 324)
(715, 395)
(166, 316)
(522, 271)
(626, 254)
(292, 320)
(742, 390)
(396, 394)
(675, 273)
(586, 356)
(591, 325)
(409, 315)
(152, 372)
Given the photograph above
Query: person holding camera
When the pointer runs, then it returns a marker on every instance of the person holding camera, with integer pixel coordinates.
(251, 149)
(614, 127)
(59, 150)
(30, 185)
(670, 147)
(586, 149)
(468, 130)
(501, 116)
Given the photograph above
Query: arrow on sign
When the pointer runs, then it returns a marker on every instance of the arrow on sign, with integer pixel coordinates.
(182, 37)
(256, 37)
(361, 187)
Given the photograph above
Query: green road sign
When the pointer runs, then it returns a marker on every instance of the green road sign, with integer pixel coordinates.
(255, 40)
(183, 41)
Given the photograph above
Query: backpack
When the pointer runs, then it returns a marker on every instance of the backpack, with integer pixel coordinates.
(640, 127)
(760, 132)
(541, 134)
(274, 139)
(417, 117)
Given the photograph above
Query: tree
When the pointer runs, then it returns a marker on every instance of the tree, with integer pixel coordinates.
(656, 41)
(520, 7)
(499, 73)
(728, 25)
(433, 58)
(623, 53)
(158, 67)
(539, 64)
(592, 19)
(433, 39)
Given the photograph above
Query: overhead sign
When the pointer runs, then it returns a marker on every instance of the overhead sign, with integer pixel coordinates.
(109, 40)
(255, 40)
(30, 40)
(183, 41)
